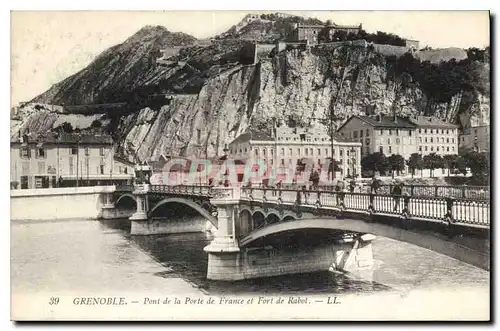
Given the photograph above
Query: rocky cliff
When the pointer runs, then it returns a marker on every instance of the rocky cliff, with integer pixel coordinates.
(217, 92)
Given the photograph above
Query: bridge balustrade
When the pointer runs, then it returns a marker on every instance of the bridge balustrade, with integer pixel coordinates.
(454, 191)
(426, 207)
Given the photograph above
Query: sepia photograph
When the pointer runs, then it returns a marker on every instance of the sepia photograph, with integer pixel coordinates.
(250, 165)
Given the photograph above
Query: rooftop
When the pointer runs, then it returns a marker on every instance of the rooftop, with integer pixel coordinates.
(65, 138)
(384, 121)
(253, 135)
(432, 122)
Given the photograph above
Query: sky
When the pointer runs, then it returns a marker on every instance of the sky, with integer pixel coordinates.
(48, 46)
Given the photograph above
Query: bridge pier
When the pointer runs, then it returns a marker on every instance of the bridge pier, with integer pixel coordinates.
(224, 252)
(108, 210)
(139, 220)
(356, 257)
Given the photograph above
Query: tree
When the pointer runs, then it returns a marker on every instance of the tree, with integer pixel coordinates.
(375, 162)
(415, 162)
(462, 164)
(96, 124)
(66, 127)
(396, 163)
(479, 165)
(433, 161)
(450, 162)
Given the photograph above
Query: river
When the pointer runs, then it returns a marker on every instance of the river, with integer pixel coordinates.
(101, 256)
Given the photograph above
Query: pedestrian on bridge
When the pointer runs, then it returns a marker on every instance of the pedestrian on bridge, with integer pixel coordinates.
(375, 185)
(396, 192)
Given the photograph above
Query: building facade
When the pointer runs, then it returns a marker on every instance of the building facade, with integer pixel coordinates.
(381, 133)
(50, 160)
(402, 135)
(434, 135)
(310, 32)
(476, 138)
(290, 146)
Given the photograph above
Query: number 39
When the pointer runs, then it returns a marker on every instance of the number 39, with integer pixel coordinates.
(53, 301)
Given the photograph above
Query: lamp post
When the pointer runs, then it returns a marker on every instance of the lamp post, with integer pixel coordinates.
(353, 161)
(77, 159)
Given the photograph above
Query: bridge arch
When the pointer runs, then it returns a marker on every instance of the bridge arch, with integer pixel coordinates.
(125, 197)
(437, 243)
(212, 219)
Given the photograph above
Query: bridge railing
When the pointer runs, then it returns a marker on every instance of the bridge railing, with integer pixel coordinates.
(452, 191)
(468, 211)
(198, 190)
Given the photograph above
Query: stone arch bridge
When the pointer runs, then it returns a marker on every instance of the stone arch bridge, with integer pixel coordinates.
(259, 231)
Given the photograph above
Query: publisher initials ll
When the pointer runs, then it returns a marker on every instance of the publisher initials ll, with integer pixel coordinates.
(333, 301)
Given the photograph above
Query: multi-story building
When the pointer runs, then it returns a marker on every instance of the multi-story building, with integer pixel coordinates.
(310, 32)
(402, 135)
(50, 160)
(381, 133)
(435, 135)
(289, 146)
(476, 138)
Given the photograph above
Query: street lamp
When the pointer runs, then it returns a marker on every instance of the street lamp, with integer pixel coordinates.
(77, 158)
(353, 161)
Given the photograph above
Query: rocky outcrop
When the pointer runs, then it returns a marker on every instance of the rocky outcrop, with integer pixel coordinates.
(217, 91)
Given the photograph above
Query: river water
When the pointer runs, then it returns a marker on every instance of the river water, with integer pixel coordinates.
(79, 255)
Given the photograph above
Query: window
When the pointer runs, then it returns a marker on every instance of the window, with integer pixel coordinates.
(432, 140)
(367, 132)
(425, 131)
(341, 152)
(101, 169)
(307, 152)
(74, 150)
(425, 139)
(289, 162)
(326, 151)
(290, 152)
(409, 133)
(256, 152)
(347, 153)
(397, 141)
(240, 151)
(452, 140)
(319, 161)
(125, 170)
(447, 140)
(361, 133)
(287, 138)
(419, 130)
(397, 132)
(381, 131)
(447, 131)
(298, 151)
(390, 149)
(388, 141)
(432, 131)
(302, 137)
(420, 148)
(390, 132)
(271, 161)
(355, 134)
(282, 162)
(272, 152)
(475, 131)
(40, 153)
(198, 136)
(319, 151)
(426, 148)
(437, 148)
(311, 151)
(442, 139)
(246, 150)
(282, 152)
(264, 152)
(381, 149)
(432, 148)
(420, 139)
(447, 148)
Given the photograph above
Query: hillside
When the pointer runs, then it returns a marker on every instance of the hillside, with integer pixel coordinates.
(217, 91)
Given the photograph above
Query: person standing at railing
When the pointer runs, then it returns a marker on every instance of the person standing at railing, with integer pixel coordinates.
(396, 192)
(374, 185)
(339, 188)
